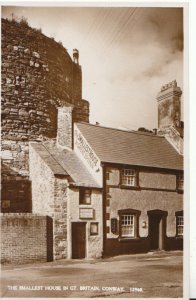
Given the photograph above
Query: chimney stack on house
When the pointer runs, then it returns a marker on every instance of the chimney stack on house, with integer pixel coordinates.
(64, 127)
(169, 115)
(169, 106)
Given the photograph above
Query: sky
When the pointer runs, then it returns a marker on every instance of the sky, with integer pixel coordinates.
(126, 54)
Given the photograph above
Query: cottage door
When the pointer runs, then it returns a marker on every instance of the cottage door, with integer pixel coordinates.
(78, 239)
(155, 232)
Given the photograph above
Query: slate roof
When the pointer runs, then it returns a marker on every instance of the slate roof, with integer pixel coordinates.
(49, 159)
(131, 147)
(65, 162)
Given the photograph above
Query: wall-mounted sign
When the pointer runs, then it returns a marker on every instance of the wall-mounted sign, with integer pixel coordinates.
(86, 213)
(114, 224)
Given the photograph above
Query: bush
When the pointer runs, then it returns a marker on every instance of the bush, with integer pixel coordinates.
(24, 22)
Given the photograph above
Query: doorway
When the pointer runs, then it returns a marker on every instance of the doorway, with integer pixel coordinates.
(78, 239)
(157, 229)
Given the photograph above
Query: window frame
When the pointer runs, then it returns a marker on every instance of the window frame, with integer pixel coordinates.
(177, 215)
(82, 196)
(129, 212)
(129, 177)
(180, 183)
(94, 233)
(127, 224)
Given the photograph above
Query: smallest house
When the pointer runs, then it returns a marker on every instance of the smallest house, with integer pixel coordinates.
(110, 191)
(64, 189)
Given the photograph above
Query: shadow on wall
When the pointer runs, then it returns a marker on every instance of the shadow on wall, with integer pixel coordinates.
(49, 230)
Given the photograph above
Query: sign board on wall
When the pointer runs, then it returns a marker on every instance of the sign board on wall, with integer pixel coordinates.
(86, 213)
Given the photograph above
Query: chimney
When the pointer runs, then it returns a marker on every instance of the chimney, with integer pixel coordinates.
(76, 56)
(64, 127)
(169, 106)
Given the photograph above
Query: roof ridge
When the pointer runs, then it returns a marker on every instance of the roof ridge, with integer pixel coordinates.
(122, 130)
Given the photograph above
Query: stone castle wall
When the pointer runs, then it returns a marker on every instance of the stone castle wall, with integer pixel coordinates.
(38, 75)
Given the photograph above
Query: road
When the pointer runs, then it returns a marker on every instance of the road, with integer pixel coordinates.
(155, 274)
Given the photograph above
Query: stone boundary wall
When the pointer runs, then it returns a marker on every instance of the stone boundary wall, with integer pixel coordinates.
(26, 238)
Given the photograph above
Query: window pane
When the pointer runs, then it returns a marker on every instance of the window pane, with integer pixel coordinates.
(85, 196)
(129, 177)
(180, 225)
(180, 182)
(94, 228)
(127, 225)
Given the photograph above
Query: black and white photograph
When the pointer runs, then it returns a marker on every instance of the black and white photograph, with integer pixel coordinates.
(93, 119)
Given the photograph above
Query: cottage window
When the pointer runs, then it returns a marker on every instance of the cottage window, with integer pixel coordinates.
(129, 223)
(94, 228)
(180, 182)
(129, 177)
(85, 196)
(179, 224)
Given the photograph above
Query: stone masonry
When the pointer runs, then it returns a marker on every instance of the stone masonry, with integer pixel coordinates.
(64, 132)
(38, 75)
(50, 196)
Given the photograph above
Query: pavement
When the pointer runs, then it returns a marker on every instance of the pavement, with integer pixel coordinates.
(151, 275)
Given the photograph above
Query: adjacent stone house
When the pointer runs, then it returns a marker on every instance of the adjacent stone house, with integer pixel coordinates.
(109, 191)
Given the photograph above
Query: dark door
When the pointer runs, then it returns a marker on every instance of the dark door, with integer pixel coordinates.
(155, 232)
(78, 239)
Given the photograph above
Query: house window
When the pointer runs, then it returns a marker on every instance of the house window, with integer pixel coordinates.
(85, 196)
(129, 223)
(94, 228)
(180, 182)
(129, 177)
(179, 223)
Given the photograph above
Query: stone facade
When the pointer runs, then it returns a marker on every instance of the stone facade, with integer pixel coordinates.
(25, 238)
(38, 75)
(50, 196)
(64, 132)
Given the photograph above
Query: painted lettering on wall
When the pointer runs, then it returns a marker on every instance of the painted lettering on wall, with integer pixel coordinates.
(85, 149)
